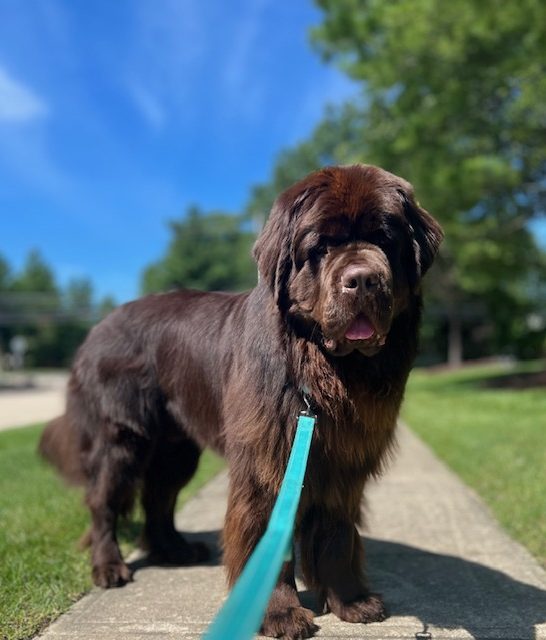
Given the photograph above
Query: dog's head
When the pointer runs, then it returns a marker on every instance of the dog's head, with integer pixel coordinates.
(343, 251)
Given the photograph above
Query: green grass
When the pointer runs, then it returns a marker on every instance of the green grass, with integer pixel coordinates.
(42, 571)
(495, 439)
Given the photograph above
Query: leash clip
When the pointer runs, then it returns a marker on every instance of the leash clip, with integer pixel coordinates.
(308, 411)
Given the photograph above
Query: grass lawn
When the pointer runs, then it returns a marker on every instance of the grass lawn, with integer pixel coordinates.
(42, 572)
(494, 438)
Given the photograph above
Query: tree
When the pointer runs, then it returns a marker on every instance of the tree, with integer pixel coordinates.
(54, 321)
(105, 306)
(209, 251)
(78, 297)
(36, 276)
(5, 275)
(455, 101)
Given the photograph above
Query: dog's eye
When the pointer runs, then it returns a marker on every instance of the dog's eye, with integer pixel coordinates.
(311, 255)
(336, 242)
(315, 253)
(390, 245)
(383, 238)
(384, 242)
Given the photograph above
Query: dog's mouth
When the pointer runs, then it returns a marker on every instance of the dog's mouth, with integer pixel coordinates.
(360, 329)
(361, 334)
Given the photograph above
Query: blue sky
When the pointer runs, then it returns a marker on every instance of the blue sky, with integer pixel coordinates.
(115, 116)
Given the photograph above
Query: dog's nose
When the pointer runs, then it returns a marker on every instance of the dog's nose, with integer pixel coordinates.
(359, 279)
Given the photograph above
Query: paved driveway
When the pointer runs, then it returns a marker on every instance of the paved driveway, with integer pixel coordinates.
(21, 405)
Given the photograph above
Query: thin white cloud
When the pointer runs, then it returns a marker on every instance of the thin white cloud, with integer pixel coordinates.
(18, 103)
(238, 78)
(167, 46)
(26, 156)
(148, 105)
(172, 50)
(239, 55)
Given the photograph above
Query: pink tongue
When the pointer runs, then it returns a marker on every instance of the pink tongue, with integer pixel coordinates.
(360, 329)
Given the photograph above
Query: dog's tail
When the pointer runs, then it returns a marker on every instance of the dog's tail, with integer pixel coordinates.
(60, 446)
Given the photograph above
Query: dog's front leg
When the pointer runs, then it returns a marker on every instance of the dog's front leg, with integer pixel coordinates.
(285, 617)
(246, 520)
(333, 562)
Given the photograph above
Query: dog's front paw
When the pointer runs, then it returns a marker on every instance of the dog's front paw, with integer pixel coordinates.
(111, 574)
(369, 608)
(294, 623)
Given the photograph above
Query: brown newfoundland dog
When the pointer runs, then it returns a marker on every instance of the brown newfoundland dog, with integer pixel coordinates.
(334, 317)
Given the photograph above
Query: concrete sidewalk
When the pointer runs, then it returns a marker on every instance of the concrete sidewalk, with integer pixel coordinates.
(442, 564)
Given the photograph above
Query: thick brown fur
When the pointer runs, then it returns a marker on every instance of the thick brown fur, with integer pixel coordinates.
(165, 376)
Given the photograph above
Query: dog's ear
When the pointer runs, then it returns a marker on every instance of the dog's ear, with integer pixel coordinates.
(427, 235)
(273, 248)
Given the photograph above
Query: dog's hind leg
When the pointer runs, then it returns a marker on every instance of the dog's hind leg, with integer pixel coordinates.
(171, 466)
(114, 467)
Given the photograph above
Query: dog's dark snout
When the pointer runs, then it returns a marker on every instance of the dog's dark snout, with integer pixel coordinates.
(357, 279)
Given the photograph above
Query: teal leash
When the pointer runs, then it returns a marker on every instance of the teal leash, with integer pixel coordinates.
(241, 615)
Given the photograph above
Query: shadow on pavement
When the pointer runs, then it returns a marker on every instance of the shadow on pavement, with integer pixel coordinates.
(439, 590)
(210, 538)
(451, 592)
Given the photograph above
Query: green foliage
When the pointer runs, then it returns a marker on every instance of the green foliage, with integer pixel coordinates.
(35, 276)
(105, 306)
(54, 344)
(54, 321)
(454, 100)
(493, 438)
(208, 251)
(42, 571)
(79, 296)
(5, 275)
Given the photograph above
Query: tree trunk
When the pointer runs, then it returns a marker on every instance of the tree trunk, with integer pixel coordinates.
(455, 339)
